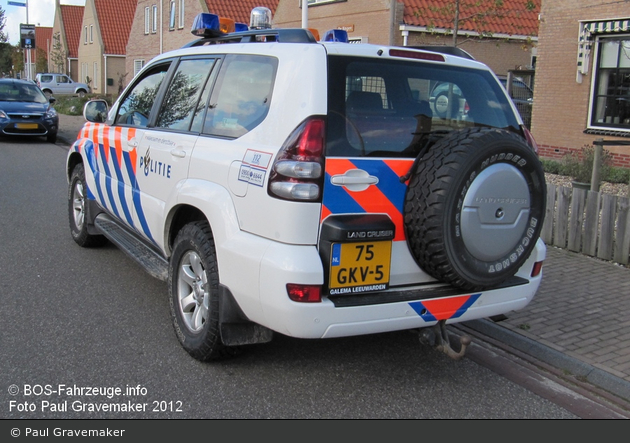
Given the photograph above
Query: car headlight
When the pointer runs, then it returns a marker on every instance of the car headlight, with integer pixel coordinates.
(3, 114)
(52, 112)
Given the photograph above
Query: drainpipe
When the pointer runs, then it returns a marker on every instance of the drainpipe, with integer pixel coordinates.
(304, 14)
(105, 72)
(161, 36)
(405, 35)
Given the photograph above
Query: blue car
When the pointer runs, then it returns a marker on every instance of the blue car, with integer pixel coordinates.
(25, 110)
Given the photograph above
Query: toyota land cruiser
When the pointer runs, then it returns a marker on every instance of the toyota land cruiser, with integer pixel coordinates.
(281, 184)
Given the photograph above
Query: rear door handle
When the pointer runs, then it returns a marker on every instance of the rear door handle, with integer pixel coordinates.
(354, 180)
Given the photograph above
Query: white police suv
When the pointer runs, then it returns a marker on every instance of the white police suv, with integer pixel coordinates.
(281, 184)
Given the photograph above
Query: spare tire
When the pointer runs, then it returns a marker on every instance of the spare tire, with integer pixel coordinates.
(474, 207)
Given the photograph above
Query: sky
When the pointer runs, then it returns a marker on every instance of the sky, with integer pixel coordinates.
(40, 13)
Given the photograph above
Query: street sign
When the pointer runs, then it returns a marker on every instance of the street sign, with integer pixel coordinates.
(27, 36)
(16, 4)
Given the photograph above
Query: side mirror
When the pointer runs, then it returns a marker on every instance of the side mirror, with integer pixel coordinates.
(52, 100)
(95, 111)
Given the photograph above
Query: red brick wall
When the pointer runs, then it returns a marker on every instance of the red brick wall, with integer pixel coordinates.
(561, 104)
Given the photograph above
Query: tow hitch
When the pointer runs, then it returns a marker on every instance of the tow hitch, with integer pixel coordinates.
(437, 337)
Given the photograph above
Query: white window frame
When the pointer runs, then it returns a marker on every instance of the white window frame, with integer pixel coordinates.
(95, 72)
(138, 64)
(611, 123)
(147, 20)
(171, 15)
(154, 21)
(181, 14)
(91, 33)
(85, 31)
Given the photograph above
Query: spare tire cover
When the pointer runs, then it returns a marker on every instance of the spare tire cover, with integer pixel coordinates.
(474, 207)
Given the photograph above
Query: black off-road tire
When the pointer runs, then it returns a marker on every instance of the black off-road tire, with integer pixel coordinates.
(77, 211)
(193, 281)
(474, 207)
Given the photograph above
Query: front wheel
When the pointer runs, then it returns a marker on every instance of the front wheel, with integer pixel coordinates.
(77, 206)
(193, 281)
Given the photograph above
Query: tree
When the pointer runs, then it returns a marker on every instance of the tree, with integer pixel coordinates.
(58, 55)
(475, 13)
(6, 50)
(3, 20)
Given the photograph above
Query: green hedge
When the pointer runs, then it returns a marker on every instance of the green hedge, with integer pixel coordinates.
(70, 105)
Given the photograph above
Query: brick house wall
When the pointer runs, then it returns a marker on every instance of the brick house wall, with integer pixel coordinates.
(561, 104)
(371, 20)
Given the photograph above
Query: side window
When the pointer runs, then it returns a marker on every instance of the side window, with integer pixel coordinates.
(136, 106)
(240, 100)
(62, 79)
(183, 94)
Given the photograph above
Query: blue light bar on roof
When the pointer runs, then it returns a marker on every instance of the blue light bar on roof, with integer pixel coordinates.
(239, 27)
(336, 35)
(206, 25)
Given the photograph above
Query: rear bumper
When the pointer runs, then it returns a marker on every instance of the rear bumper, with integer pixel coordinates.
(395, 309)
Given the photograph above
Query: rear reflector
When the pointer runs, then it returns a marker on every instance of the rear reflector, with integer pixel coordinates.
(537, 268)
(304, 293)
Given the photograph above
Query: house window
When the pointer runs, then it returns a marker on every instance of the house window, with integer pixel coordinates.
(85, 32)
(91, 33)
(84, 73)
(147, 20)
(610, 104)
(181, 14)
(154, 21)
(95, 75)
(171, 17)
(137, 66)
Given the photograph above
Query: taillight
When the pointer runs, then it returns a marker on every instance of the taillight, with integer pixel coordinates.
(297, 173)
(304, 293)
(530, 139)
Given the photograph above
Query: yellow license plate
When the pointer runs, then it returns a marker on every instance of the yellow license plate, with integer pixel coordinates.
(359, 267)
(26, 125)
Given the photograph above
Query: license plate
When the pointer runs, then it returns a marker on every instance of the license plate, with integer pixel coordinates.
(26, 125)
(359, 267)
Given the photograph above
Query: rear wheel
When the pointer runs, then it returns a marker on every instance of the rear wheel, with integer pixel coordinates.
(47, 93)
(474, 207)
(193, 281)
(81, 93)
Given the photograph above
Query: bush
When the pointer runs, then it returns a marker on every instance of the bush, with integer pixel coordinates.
(551, 166)
(579, 164)
(71, 105)
(619, 175)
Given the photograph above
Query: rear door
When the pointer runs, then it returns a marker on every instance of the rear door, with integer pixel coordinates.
(381, 117)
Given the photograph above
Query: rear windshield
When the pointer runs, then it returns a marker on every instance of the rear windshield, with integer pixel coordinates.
(384, 107)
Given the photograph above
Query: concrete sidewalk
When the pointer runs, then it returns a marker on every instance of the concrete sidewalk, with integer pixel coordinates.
(579, 321)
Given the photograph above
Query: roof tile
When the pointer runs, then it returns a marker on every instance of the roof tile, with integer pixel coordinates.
(239, 10)
(72, 19)
(114, 20)
(512, 18)
(43, 37)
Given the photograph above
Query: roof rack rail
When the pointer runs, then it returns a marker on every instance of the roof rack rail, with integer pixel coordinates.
(442, 49)
(286, 35)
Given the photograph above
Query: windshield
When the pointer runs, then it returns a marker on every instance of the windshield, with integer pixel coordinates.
(21, 92)
(385, 107)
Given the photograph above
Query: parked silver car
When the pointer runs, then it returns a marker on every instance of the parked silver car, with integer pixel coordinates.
(57, 84)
